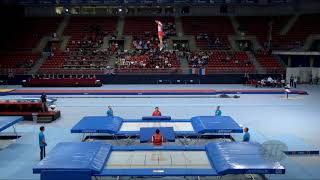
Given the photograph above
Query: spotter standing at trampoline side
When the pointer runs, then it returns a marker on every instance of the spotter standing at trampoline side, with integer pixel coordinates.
(218, 111)
(246, 135)
(110, 111)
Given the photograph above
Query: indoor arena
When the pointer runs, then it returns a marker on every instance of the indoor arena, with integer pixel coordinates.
(159, 89)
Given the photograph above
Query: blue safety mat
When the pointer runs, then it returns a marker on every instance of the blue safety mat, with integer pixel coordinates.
(241, 158)
(7, 121)
(75, 156)
(98, 124)
(146, 134)
(215, 124)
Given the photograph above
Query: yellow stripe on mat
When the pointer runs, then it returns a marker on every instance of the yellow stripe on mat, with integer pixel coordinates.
(6, 90)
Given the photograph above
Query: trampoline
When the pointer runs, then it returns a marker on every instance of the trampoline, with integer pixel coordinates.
(9, 121)
(196, 126)
(82, 160)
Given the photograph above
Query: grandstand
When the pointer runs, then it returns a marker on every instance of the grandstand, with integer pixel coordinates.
(124, 41)
(207, 30)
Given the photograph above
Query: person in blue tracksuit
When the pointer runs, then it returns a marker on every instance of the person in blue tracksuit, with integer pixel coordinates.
(246, 135)
(42, 143)
(110, 111)
(218, 111)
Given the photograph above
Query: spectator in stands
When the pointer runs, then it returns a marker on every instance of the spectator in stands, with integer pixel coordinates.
(42, 143)
(156, 112)
(291, 80)
(283, 82)
(218, 111)
(110, 111)
(295, 81)
(157, 138)
(263, 82)
(10, 74)
(44, 102)
(217, 42)
(246, 135)
(311, 79)
(269, 82)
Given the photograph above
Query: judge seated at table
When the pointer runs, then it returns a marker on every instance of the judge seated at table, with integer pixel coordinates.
(157, 138)
(156, 112)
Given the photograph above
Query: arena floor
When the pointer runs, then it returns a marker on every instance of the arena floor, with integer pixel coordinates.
(265, 115)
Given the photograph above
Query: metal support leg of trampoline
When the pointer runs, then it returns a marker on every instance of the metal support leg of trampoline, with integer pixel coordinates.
(251, 176)
(83, 137)
(183, 142)
(115, 137)
(130, 140)
(197, 139)
(15, 132)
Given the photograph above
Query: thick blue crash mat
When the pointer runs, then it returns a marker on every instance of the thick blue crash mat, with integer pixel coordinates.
(74, 156)
(8, 121)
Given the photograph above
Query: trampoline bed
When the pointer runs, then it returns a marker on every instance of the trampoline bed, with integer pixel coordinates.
(158, 159)
(83, 160)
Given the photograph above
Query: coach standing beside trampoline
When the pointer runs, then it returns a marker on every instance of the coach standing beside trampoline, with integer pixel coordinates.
(110, 111)
(218, 111)
(42, 143)
(246, 135)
